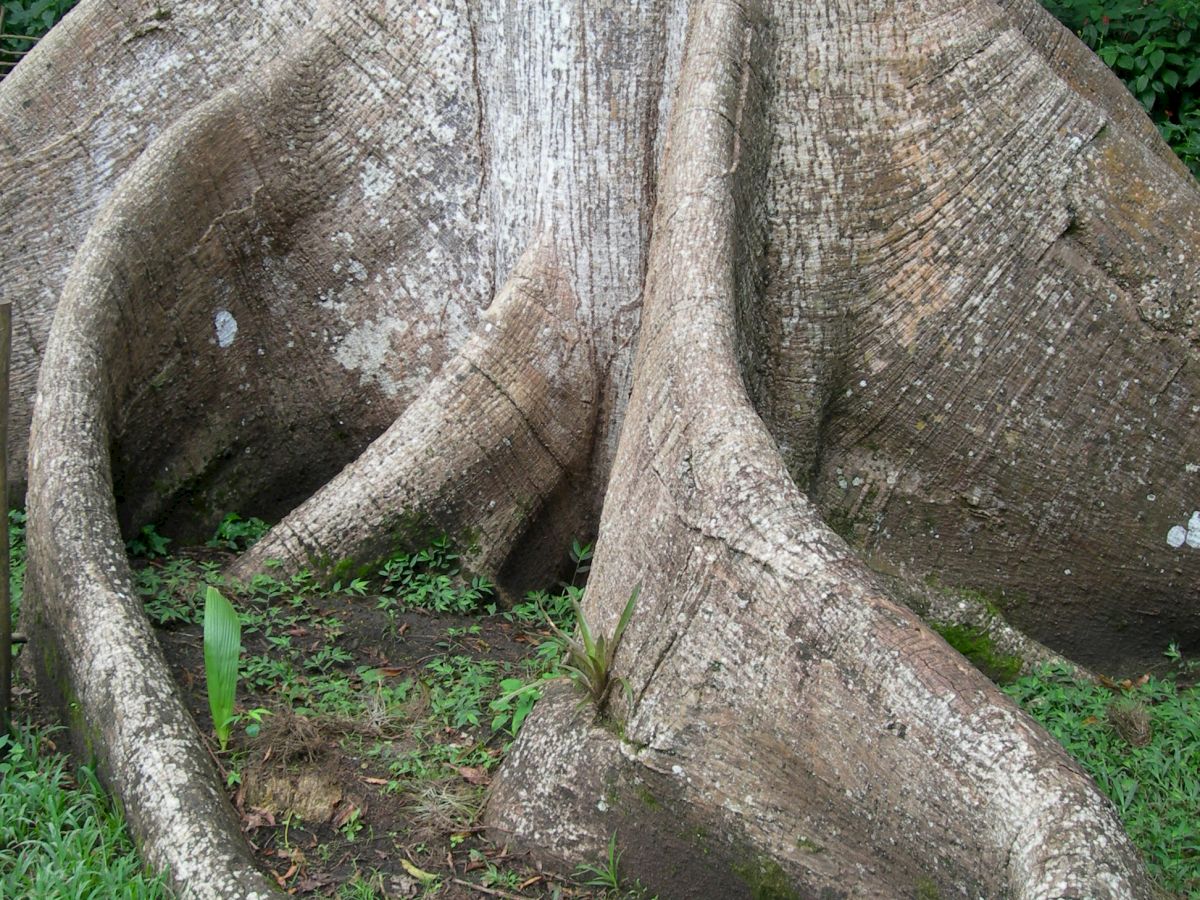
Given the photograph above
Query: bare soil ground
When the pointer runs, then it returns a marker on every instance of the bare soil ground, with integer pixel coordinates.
(367, 769)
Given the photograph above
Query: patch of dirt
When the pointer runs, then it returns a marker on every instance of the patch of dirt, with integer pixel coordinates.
(381, 798)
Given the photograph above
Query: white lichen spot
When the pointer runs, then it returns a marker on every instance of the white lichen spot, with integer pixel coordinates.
(366, 349)
(377, 182)
(357, 270)
(1193, 530)
(1191, 468)
(226, 327)
(1176, 536)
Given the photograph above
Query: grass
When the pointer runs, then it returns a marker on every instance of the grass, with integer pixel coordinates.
(1140, 741)
(439, 728)
(431, 730)
(59, 833)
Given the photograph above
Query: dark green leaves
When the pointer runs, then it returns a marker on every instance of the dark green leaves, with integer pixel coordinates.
(1154, 47)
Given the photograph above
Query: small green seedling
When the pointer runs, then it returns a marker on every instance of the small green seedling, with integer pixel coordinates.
(222, 647)
(237, 534)
(589, 659)
(605, 874)
(516, 702)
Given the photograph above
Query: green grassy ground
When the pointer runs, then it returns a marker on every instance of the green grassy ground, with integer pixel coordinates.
(59, 833)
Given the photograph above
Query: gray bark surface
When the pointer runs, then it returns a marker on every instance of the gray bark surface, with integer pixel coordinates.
(775, 297)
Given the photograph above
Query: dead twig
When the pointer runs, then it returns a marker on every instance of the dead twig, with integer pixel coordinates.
(494, 892)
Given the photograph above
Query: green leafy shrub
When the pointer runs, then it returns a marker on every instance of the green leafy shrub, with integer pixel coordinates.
(16, 558)
(147, 544)
(237, 534)
(1141, 744)
(1155, 49)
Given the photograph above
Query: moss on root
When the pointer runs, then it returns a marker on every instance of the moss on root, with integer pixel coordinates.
(766, 879)
(976, 645)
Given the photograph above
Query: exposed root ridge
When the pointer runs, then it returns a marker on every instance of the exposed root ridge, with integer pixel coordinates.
(947, 606)
(91, 643)
(784, 702)
(475, 455)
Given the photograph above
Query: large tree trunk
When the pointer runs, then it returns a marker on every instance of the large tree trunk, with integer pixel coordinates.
(911, 289)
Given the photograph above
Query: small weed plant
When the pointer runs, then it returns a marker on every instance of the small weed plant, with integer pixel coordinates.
(237, 534)
(1140, 741)
(589, 657)
(148, 544)
(605, 874)
(432, 579)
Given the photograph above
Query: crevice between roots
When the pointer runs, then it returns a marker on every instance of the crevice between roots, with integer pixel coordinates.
(475, 456)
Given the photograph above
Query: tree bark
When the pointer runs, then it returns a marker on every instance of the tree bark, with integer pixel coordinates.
(911, 287)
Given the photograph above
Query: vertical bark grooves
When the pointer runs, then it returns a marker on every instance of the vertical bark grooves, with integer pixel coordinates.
(573, 96)
(499, 430)
(785, 683)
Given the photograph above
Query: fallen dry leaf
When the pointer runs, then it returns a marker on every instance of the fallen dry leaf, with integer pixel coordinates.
(281, 880)
(310, 883)
(343, 813)
(257, 818)
(473, 774)
(420, 874)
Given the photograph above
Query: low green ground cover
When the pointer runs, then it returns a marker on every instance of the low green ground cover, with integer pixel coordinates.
(457, 709)
(59, 833)
(436, 730)
(1140, 741)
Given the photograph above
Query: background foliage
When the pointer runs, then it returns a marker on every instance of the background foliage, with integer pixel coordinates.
(22, 23)
(1154, 47)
